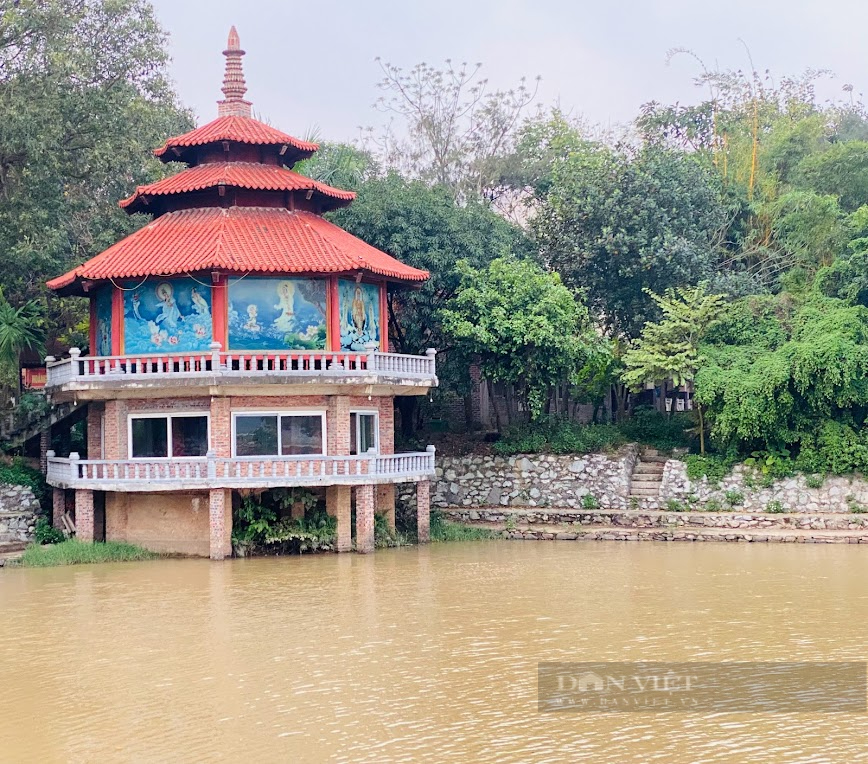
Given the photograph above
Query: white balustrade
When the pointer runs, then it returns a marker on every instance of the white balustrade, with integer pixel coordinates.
(214, 472)
(320, 363)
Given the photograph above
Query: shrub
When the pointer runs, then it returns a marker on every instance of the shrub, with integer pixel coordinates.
(589, 501)
(558, 436)
(648, 426)
(734, 498)
(713, 466)
(774, 507)
(814, 481)
(713, 505)
(858, 509)
(673, 505)
(47, 533)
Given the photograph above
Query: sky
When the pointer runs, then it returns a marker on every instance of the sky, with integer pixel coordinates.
(312, 66)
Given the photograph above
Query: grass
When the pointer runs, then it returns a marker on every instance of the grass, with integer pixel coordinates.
(72, 552)
(444, 530)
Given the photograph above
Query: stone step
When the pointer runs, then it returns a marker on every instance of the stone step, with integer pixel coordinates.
(648, 468)
(653, 460)
(661, 519)
(615, 533)
(639, 491)
(649, 479)
(10, 551)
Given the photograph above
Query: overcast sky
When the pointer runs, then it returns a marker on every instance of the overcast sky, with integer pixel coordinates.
(313, 64)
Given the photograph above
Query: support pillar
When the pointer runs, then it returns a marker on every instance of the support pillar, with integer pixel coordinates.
(365, 519)
(423, 511)
(58, 508)
(84, 515)
(386, 503)
(44, 448)
(338, 506)
(217, 522)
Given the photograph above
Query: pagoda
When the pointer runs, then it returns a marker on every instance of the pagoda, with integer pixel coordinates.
(238, 343)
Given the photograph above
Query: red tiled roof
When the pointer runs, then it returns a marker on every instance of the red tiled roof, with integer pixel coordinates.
(240, 175)
(237, 240)
(239, 130)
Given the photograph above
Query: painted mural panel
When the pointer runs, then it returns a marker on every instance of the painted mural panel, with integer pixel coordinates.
(277, 314)
(169, 316)
(360, 314)
(103, 312)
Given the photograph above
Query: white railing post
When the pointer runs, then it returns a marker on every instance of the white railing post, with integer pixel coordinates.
(432, 450)
(431, 353)
(371, 348)
(74, 354)
(74, 465)
(212, 464)
(215, 357)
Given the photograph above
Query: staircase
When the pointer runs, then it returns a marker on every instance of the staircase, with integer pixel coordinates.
(17, 427)
(646, 479)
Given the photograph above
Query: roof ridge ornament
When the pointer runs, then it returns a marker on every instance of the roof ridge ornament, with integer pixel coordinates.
(234, 86)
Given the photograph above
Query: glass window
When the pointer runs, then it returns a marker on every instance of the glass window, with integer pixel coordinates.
(256, 435)
(151, 436)
(189, 436)
(301, 435)
(363, 432)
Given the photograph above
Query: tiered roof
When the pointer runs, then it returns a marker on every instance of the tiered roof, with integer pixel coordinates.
(238, 208)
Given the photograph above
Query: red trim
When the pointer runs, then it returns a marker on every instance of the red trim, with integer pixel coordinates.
(334, 311)
(220, 312)
(92, 332)
(384, 319)
(117, 321)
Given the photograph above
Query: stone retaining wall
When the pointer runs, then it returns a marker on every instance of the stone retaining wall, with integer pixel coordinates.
(19, 509)
(836, 494)
(529, 481)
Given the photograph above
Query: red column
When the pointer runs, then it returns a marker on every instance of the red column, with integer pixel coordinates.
(384, 318)
(92, 328)
(117, 322)
(334, 312)
(220, 312)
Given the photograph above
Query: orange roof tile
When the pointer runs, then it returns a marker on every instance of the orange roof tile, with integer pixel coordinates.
(237, 240)
(240, 175)
(239, 130)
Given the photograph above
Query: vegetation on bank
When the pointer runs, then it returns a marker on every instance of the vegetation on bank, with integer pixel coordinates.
(445, 530)
(17, 471)
(73, 552)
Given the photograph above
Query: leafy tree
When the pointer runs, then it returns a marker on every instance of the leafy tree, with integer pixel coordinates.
(459, 133)
(618, 222)
(424, 227)
(338, 164)
(526, 328)
(669, 348)
(84, 99)
(21, 329)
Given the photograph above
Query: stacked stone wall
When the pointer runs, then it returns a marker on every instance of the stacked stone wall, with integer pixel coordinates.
(19, 510)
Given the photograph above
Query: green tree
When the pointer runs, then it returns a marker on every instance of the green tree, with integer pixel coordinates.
(21, 329)
(618, 222)
(669, 349)
(84, 99)
(526, 328)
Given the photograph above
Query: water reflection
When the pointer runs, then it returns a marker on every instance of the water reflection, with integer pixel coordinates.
(415, 654)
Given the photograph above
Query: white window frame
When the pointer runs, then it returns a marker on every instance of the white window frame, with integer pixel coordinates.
(367, 412)
(168, 415)
(321, 413)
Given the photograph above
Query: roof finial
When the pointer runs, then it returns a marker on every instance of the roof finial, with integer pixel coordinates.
(234, 86)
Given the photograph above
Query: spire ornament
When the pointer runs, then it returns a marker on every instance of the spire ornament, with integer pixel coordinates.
(234, 86)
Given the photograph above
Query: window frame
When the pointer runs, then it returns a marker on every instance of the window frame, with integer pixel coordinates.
(367, 412)
(167, 415)
(321, 413)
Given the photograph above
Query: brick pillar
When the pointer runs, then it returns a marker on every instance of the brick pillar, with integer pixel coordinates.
(338, 425)
(217, 523)
(84, 515)
(44, 448)
(386, 503)
(423, 511)
(221, 428)
(114, 444)
(94, 430)
(58, 508)
(365, 519)
(338, 505)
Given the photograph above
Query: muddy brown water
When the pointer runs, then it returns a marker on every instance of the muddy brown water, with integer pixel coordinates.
(417, 654)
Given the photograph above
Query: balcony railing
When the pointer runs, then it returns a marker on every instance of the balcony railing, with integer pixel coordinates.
(299, 365)
(240, 472)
